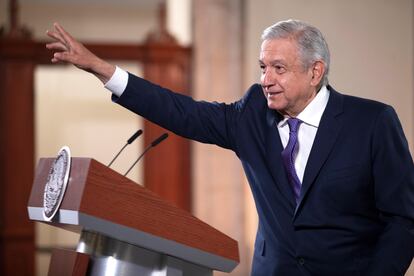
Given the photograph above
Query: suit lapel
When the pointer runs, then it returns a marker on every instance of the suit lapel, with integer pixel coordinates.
(325, 139)
(274, 160)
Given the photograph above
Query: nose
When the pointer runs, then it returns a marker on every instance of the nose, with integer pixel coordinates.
(267, 79)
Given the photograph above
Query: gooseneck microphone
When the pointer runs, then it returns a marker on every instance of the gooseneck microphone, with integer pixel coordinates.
(130, 140)
(153, 144)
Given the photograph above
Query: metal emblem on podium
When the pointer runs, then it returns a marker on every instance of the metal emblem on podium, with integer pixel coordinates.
(56, 183)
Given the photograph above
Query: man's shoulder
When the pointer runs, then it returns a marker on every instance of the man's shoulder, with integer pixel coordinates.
(254, 92)
(352, 102)
(252, 97)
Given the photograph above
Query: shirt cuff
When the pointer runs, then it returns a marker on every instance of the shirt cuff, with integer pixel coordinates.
(118, 82)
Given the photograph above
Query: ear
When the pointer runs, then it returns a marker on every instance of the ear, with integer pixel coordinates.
(317, 71)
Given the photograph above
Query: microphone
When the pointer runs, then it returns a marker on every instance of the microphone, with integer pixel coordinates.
(130, 140)
(153, 144)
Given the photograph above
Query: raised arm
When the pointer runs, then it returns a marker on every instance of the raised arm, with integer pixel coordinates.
(68, 49)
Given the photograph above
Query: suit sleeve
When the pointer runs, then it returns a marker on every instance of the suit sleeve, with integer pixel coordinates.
(393, 173)
(213, 123)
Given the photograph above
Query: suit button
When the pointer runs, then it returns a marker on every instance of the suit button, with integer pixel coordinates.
(301, 261)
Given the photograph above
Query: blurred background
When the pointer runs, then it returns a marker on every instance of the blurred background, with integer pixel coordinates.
(372, 54)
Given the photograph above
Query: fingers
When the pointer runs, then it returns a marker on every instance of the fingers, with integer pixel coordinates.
(56, 36)
(69, 50)
(56, 58)
(64, 34)
(56, 46)
(63, 57)
(60, 35)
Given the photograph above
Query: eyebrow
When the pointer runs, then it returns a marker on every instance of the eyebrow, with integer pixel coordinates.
(273, 62)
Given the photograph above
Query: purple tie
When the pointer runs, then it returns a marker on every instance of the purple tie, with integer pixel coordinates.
(289, 155)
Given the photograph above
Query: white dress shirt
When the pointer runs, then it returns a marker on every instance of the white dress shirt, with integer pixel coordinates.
(118, 82)
(310, 117)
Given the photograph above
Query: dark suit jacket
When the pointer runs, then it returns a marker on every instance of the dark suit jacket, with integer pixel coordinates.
(356, 209)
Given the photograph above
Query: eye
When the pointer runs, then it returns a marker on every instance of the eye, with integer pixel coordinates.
(262, 68)
(280, 69)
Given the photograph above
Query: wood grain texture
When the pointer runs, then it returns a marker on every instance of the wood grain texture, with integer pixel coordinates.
(16, 165)
(105, 194)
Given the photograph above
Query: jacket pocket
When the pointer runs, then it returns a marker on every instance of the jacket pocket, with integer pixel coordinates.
(343, 173)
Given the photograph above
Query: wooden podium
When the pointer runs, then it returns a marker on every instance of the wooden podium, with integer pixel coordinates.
(126, 229)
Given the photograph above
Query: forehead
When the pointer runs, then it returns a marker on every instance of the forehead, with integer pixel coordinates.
(281, 48)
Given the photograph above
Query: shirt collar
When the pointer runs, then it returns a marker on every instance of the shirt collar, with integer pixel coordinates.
(312, 113)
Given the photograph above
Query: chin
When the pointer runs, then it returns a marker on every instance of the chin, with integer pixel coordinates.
(274, 106)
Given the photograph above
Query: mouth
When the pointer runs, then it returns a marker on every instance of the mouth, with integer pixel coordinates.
(270, 95)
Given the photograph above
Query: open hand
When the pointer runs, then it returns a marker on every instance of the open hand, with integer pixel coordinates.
(68, 49)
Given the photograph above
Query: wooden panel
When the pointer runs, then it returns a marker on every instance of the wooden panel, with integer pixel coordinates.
(38, 54)
(68, 263)
(16, 166)
(167, 171)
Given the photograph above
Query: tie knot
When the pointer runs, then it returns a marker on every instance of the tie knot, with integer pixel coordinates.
(294, 124)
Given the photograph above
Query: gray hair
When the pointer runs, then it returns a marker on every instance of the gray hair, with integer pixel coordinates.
(311, 43)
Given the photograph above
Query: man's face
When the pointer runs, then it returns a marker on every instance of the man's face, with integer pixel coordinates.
(287, 86)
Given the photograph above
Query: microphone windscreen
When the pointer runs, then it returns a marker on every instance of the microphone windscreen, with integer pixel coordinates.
(135, 136)
(159, 139)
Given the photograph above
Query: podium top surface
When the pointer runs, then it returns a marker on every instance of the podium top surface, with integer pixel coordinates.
(99, 199)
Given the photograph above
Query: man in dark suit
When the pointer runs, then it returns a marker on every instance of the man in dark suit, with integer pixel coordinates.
(331, 175)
